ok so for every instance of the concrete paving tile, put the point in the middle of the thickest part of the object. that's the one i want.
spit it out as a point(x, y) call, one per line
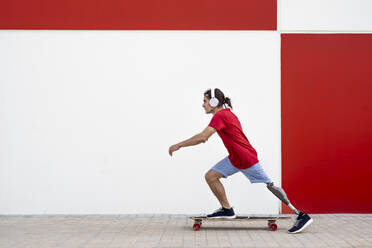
point(162, 230)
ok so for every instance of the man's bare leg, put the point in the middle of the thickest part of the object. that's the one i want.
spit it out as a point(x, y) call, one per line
point(213, 179)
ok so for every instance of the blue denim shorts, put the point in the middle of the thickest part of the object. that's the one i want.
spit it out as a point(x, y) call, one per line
point(255, 173)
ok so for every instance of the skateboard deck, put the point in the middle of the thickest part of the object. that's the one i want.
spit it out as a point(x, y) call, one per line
point(198, 220)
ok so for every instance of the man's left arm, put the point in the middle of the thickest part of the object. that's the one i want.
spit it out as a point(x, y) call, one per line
point(194, 140)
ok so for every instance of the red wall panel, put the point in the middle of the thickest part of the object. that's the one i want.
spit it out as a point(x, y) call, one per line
point(327, 122)
point(139, 14)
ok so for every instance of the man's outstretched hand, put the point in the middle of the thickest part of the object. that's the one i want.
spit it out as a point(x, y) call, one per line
point(173, 149)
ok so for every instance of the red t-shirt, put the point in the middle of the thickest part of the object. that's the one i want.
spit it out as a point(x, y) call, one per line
point(241, 154)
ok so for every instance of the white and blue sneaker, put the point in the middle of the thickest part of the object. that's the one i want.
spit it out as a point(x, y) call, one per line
point(303, 221)
point(226, 213)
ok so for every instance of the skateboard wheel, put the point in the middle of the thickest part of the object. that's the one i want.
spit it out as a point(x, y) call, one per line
point(273, 227)
point(196, 227)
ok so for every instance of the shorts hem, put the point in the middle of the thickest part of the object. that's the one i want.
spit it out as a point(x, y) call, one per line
point(220, 171)
point(260, 182)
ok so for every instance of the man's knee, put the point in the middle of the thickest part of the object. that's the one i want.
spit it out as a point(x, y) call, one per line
point(209, 177)
point(212, 176)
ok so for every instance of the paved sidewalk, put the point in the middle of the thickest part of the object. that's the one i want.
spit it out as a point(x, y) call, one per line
point(111, 231)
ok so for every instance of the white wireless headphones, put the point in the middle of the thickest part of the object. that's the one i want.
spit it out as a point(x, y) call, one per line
point(213, 101)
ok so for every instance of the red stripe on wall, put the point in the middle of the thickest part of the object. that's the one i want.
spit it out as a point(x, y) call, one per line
point(139, 14)
point(327, 122)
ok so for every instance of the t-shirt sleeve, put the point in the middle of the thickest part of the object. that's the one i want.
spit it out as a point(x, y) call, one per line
point(217, 122)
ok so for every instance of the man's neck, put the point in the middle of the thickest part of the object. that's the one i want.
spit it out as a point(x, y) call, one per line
point(216, 110)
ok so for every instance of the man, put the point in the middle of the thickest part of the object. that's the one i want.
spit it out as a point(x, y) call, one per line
point(242, 157)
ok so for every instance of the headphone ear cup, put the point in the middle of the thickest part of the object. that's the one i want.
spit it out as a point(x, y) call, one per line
point(213, 102)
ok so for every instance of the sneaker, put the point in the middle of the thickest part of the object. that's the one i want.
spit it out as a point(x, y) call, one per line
point(222, 213)
point(303, 221)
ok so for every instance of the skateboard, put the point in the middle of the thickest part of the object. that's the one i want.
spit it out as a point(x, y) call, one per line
point(270, 220)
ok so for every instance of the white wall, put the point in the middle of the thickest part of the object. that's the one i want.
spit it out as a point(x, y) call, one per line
point(87, 117)
point(325, 15)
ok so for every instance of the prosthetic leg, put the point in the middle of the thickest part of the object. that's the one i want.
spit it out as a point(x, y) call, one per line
point(279, 192)
point(303, 220)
